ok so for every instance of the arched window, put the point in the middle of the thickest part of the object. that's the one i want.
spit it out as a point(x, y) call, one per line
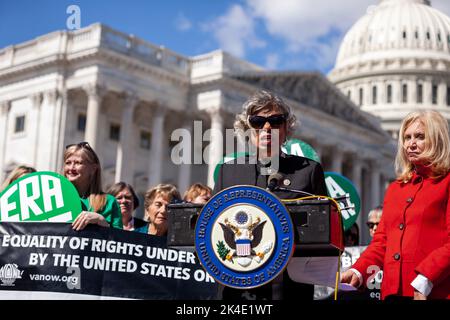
point(404, 93)
point(361, 96)
point(374, 95)
point(389, 93)
point(434, 94)
point(419, 93)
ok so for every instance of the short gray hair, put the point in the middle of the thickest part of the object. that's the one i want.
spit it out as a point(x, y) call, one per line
point(375, 211)
point(264, 100)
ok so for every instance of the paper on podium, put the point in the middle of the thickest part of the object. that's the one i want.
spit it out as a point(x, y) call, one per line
point(316, 270)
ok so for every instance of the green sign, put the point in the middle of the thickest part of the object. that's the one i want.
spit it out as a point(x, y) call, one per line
point(299, 148)
point(337, 186)
point(40, 196)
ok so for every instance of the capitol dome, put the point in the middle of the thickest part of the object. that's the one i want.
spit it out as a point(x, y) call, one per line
point(396, 59)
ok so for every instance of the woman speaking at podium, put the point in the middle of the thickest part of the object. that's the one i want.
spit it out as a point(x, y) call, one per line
point(267, 120)
point(412, 242)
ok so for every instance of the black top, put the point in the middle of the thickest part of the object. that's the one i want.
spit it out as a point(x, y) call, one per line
point(298, 173)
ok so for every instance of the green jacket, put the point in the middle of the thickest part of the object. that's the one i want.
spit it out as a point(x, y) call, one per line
point(111, 211)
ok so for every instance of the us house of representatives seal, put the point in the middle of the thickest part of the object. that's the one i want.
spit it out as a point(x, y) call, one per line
point(244, 237)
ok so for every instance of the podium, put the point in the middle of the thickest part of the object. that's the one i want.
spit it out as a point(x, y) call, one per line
point(182, 218)
point(317, 229)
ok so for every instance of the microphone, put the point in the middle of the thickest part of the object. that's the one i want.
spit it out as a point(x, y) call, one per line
point(274, 181)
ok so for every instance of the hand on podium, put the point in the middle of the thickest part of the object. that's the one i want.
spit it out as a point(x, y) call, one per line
point(351, 278)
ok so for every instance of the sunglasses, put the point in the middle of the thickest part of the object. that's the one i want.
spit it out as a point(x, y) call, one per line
point(275, 121)
point(371, 225)
point(83, 144)
point(86, 146)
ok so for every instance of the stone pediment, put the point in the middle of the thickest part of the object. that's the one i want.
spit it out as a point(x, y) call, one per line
point(313, 90)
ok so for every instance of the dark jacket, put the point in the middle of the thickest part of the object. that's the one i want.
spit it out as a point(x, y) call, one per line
point(298, 173)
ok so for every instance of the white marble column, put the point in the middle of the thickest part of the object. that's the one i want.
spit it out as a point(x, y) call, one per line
point(36, 101)
point(442, 95)
point(397, 92)
point(4, 112)
point(216, 143)
point(412, 92)
point(356, 173)
point(336, 160)
point(48, 161)
point(125, 154)
point(94, 93)
point(382, 187)
point(367, 98)
point(184, 169)
point(375, 184)
point(157, 147)
point(62, 107)
point(382, 92)
point(427, 93)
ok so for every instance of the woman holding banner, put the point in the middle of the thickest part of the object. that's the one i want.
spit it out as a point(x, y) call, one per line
point(82, 168)
point(412, 242)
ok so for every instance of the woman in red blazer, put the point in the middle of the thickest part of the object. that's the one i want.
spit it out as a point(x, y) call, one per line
point(412, 242)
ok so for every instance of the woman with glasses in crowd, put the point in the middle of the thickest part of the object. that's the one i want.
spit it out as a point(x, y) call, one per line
point(82, 168)
point(268, 121)
point(412, 241)
point(373, 219)
point(128, 202)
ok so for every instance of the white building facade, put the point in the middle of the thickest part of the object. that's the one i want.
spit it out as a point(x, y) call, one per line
point(126, 97)
point(396, 59)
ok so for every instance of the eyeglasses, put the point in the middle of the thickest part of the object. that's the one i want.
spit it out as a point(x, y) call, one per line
point(371, 225)
point(83, 144)
point(275, 121)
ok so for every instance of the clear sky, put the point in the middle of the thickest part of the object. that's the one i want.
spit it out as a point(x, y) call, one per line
point(276, 34)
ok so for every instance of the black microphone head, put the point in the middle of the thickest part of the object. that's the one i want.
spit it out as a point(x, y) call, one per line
point(274, 180)
point(275, 176)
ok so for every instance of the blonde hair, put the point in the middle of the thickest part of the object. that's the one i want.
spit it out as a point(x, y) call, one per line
point(197, 189)
point(168, 190)
point(265, 101)
point(15, 174)
point(436, 154)
point(97, 198)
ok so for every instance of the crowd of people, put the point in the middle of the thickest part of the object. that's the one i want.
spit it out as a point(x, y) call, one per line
point(115, 207)
point(411, 241)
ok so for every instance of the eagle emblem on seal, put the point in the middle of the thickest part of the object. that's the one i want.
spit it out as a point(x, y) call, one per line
point(242, 233)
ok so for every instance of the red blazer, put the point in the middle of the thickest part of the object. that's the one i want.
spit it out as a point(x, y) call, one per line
point(413, 237)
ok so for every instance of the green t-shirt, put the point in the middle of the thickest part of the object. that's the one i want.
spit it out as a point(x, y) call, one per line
point(111, 211)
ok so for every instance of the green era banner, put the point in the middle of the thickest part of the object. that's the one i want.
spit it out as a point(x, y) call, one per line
point(40, 196)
